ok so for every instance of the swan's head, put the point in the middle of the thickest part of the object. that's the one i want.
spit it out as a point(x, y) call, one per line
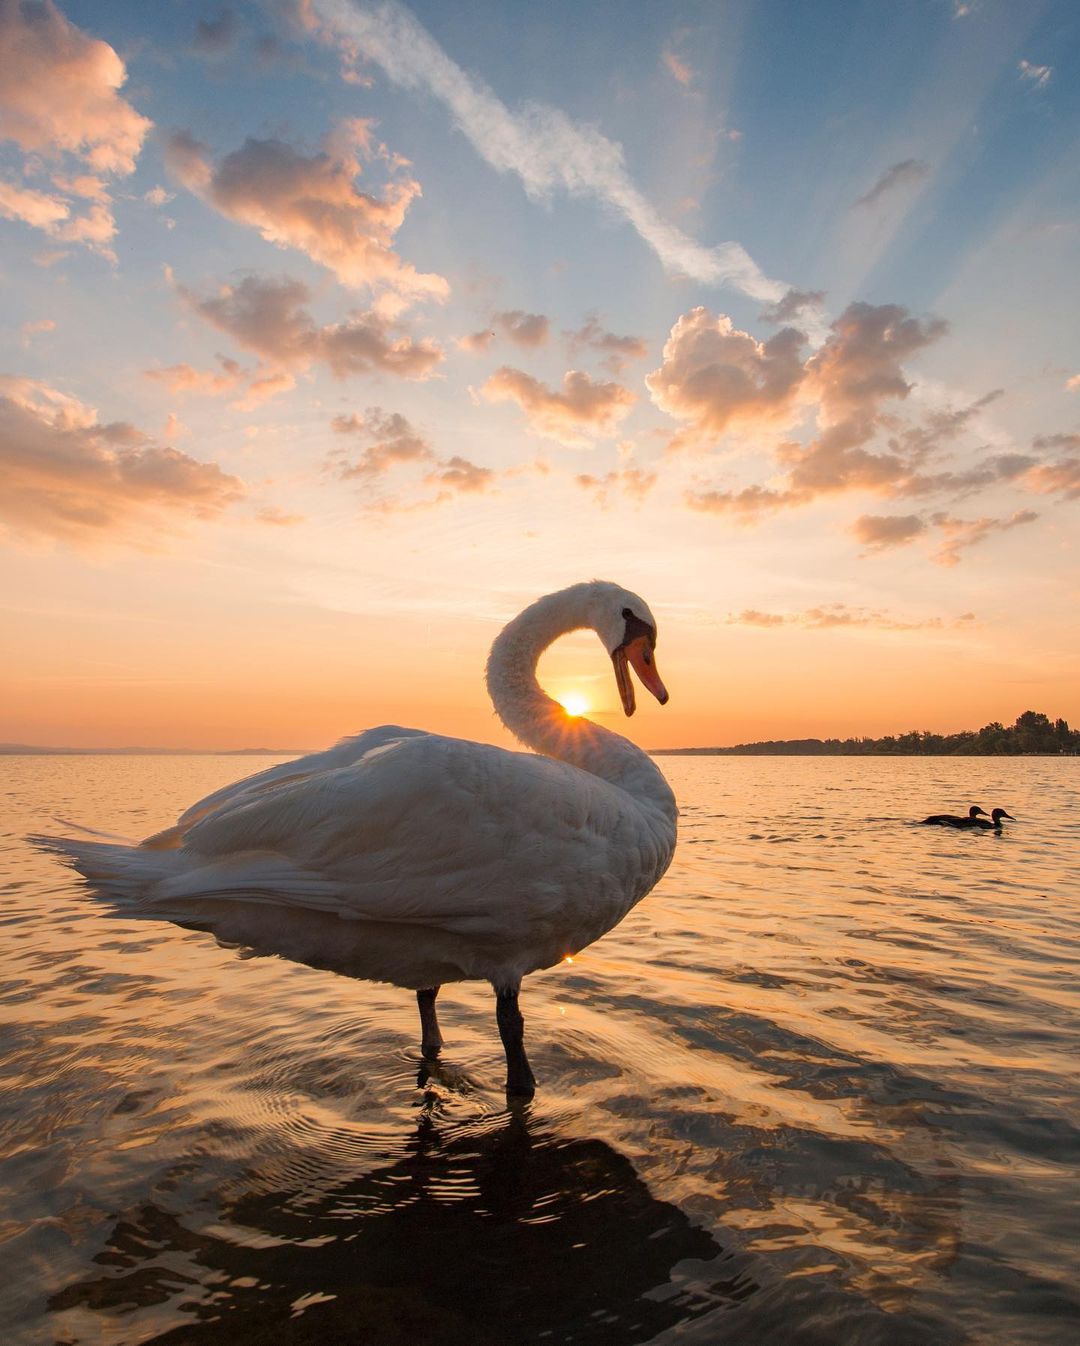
point(628, 629)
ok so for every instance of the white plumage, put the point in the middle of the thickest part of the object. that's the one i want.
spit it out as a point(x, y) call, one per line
point(416, 858)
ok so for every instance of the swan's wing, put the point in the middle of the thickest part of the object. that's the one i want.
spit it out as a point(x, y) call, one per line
point(343, 753)
point(431, 830)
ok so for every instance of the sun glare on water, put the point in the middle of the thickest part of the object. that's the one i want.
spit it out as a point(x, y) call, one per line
point(574, 703)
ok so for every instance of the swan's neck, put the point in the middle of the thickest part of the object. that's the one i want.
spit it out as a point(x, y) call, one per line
point(541, 723)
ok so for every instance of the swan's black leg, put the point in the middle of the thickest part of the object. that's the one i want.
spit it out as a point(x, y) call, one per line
point(430, 1038)
point(519, 1076)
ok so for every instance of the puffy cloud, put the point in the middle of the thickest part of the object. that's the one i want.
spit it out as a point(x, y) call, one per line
point(829, 616)
point(312, 203)
point(634, 482)
point(262, 388)
point(59, 97)
point(582, 411)
point(877, 532)
point(59, 91)
point(906, 173)
point(715, 377)
point(457, 476)
point(65, 476)
point(477, 341)
point(747, 505)
point(789, 306)
point(959, 534)
point(268, 317)
point(1038, 75)
point(524, 329)
point(393, 441)
point(1059, 477)
point(618, 351)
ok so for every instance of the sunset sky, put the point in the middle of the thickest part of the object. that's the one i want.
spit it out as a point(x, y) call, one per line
point(334, 333)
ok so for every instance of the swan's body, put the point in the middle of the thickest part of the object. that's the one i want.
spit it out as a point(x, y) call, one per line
point(953, 820)
point(416, 858)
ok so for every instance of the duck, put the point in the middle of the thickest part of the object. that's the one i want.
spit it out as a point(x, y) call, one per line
point(994, 824)
point(419, 859)
point(952, 820)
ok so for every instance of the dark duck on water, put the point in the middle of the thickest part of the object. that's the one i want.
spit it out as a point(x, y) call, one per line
point(995, 821)
point(952, 820)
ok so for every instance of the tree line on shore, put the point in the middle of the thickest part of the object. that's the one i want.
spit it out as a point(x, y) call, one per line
point(1033, 733)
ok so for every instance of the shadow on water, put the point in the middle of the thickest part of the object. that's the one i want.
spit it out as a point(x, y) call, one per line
point(489, 1234)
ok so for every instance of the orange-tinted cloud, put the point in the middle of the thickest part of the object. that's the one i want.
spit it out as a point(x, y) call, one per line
point(59, 91)
point(959, 534)
point(268, 317)
point(633, 482)
point(58, 97)
point(185, 378)
point(877, 532)
point(582, 411)
point(791, 305)
point(393, 440)
point(458, 476)
point(67, 477)
point(312, 203)
point(715, 377)
point(829, 616)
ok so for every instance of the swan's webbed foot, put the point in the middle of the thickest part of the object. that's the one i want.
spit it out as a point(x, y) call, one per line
point(520, 1081)
point(431, 1039)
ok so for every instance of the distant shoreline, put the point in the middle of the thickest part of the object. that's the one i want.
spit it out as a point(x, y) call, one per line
point(29, 750)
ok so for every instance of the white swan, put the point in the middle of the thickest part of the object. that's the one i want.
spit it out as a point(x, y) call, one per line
point(417, 859)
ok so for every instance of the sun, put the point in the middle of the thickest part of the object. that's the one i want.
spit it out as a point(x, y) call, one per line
point(574, 703)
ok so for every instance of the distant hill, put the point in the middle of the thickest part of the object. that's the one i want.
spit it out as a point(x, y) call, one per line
point(1033, 733)
point(30, 750)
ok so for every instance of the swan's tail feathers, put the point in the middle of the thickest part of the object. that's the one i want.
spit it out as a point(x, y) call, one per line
point(126, 872)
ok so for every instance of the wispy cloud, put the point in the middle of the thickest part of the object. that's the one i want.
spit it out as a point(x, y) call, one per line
point(839, 616)
point(1038, 75)
point(581, 411)
point(906, 173)
point(539, 143)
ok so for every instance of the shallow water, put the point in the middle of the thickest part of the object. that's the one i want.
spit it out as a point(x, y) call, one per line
point(820, 1087)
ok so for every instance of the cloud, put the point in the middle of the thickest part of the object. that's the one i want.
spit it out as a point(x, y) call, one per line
point(677, 67)
point(278, 518)
point(67, 477)
point(215, 36)
point(312, 203)
point(906, 173)
point(582, 411)
point(1061, 477)
point(633, 482)
point(1072, 385)
point(747, 505)
point(158, 196)
point(457, 476)
point(1038, 75)
point(524, 329)
point(959, 534)
point(618, 351)
point(789, 306)
point(878, 532)
point(392, 441)
point(185, 378)
point(29, 330)
point(268, 316)
point(715, 377)
point(831, 616)
point(539, 143)
point(59, 98)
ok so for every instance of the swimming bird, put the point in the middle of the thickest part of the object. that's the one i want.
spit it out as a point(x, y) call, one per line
point(952, 820)
point(418, 859)
point(995, 820)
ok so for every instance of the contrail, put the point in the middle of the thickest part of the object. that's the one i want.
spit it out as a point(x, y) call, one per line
point(537, 142)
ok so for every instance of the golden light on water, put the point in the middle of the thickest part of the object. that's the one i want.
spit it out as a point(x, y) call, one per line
point(574, 703)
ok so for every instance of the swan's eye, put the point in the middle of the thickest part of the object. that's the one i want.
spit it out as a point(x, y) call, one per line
point(626, 612)
point(647, 656)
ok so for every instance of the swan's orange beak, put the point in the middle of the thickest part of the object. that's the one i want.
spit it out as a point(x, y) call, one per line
point(639, 655)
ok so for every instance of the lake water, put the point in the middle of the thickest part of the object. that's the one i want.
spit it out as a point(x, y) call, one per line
point(820, 1087)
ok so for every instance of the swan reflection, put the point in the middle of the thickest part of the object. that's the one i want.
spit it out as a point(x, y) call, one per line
point(491, 1232)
